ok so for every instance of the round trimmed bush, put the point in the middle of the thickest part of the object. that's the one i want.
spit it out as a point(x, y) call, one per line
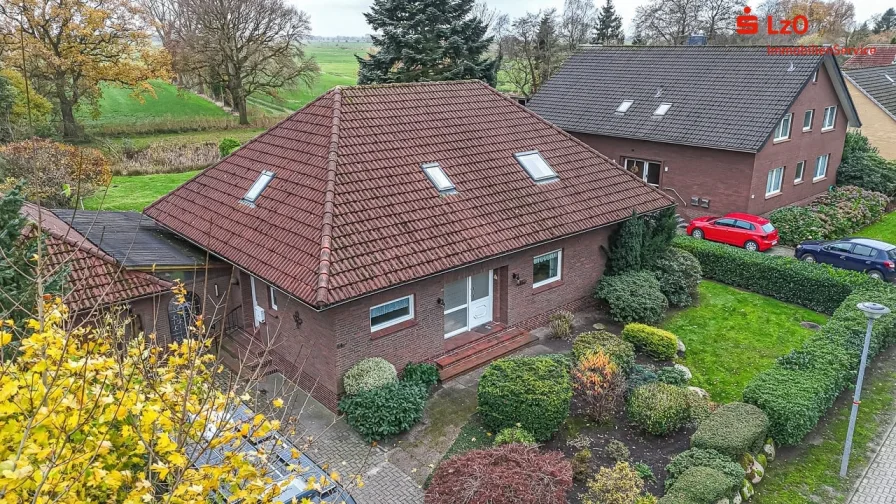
point(533, 393)
point(672, 375)
point(633, 297)
point(701, 485)
point(512, 435)
point(679, 274)
point(385, 411)
point(227, 146)
point(659, 408)
point(621, 352)
point(698, 457)
point(619, 484)
point(502, 475)
point(424, 374)
point(369, 374)
point(733, 429)
point(655, 342)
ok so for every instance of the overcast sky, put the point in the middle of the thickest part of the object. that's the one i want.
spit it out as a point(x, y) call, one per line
point(344, 17)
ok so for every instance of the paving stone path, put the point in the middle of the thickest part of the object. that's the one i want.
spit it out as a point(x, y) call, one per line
point(878, 484)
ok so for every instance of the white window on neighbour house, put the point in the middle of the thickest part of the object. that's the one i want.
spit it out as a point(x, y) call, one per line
point(807, 119)
point(547, 268)
point(821, 167)
point(272, 292)
point(800, 171)
point(775, 178)
point(782, 132)
point(830, 116)
point(391, 313)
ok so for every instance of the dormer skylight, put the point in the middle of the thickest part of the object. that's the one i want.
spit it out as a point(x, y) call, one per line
point(536, 166)
point(255, 191)
point(439, 178)
point(662, 109)
point(624, 106)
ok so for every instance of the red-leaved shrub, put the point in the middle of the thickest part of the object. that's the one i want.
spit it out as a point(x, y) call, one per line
point(509, 474)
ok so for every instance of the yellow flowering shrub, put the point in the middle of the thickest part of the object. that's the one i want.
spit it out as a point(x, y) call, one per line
point(86, 416)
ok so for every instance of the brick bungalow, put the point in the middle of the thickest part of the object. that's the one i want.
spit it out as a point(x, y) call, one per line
point(722, 129)
point(415, 222)
point(873, 89)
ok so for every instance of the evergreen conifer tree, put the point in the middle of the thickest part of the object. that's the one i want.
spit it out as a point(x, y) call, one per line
point(609, 26)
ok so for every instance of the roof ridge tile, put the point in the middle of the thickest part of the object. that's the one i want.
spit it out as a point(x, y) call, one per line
point(326, 234)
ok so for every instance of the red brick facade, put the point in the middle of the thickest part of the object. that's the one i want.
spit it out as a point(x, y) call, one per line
point(736, 181)
point(327, 343)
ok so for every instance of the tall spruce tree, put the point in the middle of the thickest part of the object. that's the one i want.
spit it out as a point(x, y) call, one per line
point(426, 40)
point(609, 26)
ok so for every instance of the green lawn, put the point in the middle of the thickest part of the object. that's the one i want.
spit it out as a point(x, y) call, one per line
point(135, 193)
point(118, 106)
point(884, 229)
point(294, 99)
point(732, 335)
point(813, 474)
point(337, 58)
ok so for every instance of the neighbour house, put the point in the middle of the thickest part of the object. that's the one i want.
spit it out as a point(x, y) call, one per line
point(138, 247)
point(884, 54)
point(415, 222)
point(722, 129)
point(873, 89)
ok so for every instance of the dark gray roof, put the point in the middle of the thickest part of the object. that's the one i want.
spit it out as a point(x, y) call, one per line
point(874, 84)
point(722, 97)
point(133, 239)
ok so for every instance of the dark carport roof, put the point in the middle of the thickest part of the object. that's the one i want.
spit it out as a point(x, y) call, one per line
point(878, 84)
point(133, 239)
point(721, 97)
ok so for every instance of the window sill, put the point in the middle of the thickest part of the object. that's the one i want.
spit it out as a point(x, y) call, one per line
point(392, 329)
point(773, 195)
point(819, 179)
point(798, 182)
point(547, 286)
point(807, 130)
point(780, 140)
point(828, 130)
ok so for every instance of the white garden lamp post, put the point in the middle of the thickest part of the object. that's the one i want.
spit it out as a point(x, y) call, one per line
point(872, 311)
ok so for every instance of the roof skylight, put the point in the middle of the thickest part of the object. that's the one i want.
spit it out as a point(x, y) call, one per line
point(260, 183)
point(624, 106)
point(889, 78)
point(662, 109)
point(439, 178)
point(536, 166)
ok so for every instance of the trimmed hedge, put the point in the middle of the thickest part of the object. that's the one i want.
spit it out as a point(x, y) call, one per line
point(700, 485)
point(368, 374)
point(659, 408)
point(818, 287)
point(533, 393)
point(698, 457)
point(621, 352)
point(733, 429)
point(797, 391)
point(423, 373)
point(385, 411)
point(657, 343)
point(633, 297)
point(839, 212)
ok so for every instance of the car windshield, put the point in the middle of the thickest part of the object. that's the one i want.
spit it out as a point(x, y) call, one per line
point(768, 228)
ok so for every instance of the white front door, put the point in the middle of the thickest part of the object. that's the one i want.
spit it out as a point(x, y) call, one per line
point(468, 303)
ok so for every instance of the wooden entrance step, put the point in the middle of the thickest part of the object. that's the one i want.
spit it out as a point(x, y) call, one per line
point(482, 351)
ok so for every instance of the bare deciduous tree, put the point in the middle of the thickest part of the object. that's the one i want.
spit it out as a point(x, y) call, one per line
point(576, 22)
point(668, 22)
point(247, 46)
point(532, 51)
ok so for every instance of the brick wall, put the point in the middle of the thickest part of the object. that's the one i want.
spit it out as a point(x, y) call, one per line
point(721, 176)
point(877, 125)
point(802, 146)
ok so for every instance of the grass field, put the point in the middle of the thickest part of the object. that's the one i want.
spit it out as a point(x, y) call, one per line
point(732, 335)
point(135, 193)
point(118, 106)
point(884, 229)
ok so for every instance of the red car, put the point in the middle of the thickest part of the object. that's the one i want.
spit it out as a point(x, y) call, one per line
point(739, 229)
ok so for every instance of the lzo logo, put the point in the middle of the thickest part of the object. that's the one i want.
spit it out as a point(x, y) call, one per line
point(749, 24)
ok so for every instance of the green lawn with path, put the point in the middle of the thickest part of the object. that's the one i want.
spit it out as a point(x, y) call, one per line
point(731, 335)
point(136, 192)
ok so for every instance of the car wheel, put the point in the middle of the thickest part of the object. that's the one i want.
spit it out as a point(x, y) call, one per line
point(809, 258)
point(877, 275)
point(697, 233)
point(751, 246)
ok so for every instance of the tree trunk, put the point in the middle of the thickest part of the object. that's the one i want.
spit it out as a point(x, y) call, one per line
point(69, 124)
point(242, 109)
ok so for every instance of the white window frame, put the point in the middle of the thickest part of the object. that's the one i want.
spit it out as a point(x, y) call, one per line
point(537, 158)
point(409, 316)
point(775, 175)
point(548, 280)
point(624, 106)
point(662, 109)
point(824, 121)
point(258, 187)
point(815, 175)
point(789, 119)
point(800, 172)
point(811, 113)
point(815, 76)
point(436, 174)
point(272, 297)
